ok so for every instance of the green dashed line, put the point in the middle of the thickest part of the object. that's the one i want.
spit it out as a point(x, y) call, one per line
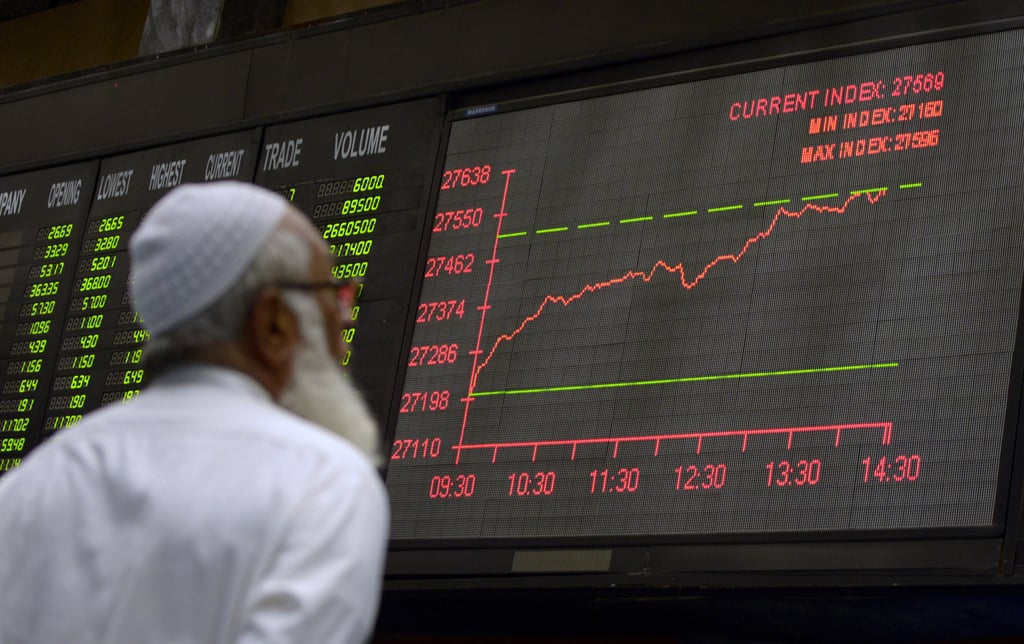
point(758, 204)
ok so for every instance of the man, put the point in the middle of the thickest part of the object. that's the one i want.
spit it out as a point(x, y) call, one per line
point(214, 507)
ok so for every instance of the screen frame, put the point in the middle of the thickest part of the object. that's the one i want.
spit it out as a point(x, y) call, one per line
point(933, 555)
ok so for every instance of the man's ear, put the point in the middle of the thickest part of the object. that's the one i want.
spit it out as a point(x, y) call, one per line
point(274, 333)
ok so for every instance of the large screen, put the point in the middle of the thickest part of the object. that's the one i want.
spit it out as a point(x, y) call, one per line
point(73, 341)
point(772, 302)
point(745, 305)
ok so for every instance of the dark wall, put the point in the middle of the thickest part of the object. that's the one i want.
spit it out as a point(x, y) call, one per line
point(417, 49)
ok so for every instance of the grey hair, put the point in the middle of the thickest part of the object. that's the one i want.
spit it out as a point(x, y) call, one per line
point(303, 304)
point(285, 257)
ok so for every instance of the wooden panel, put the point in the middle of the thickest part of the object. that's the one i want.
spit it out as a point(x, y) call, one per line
point(73, 37)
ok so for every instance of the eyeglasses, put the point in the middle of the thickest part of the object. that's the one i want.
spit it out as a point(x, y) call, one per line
point(345, 291)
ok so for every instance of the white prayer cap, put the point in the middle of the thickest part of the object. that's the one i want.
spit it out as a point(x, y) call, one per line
point(194, 244)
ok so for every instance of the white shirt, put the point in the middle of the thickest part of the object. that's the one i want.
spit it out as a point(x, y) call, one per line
point(199, 512)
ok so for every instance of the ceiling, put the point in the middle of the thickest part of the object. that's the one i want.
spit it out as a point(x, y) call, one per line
point(18, 8)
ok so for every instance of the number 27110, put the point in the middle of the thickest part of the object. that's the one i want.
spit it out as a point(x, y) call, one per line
point(405, 448)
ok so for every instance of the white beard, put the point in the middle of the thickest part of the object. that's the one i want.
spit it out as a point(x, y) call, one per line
point(319, 391)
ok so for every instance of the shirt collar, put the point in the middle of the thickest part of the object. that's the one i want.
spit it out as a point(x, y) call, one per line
point(208, 375)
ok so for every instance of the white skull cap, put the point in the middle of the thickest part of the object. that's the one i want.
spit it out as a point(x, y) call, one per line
point(194, 244)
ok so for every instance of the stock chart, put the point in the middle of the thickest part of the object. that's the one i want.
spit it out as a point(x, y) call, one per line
point(778, 301)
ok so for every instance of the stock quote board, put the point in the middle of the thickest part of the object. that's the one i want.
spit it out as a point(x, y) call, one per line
point(41, 229)
point(776, 302)
point(364, 179)
point(99, 356)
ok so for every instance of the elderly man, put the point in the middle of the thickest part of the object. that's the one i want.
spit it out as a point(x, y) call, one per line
point(220, 505)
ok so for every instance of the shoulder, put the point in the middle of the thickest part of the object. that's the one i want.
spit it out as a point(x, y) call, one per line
point(207, 416)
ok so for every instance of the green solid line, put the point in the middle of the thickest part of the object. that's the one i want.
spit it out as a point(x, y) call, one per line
point(680, 214)
point(771, 203)
point(595, 225)
point(634, 220)
point(858, 192)
point(553, 230)
point(504, 235)
point(834, 194)
point(904, 186)
point(670, 381)
point(723, 208)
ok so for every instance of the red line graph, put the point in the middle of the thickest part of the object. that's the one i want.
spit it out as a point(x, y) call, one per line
point(662, 265)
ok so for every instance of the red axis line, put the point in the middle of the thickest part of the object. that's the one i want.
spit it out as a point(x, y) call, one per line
point(483, 308)
point(678, 268)
point(886, 428)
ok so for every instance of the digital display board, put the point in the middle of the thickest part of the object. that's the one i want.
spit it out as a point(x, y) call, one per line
point(99, 360)
point(41, 215)
point(783, 301)
point(364, 179)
